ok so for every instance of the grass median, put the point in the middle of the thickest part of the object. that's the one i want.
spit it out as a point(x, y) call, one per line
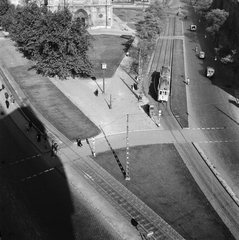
point(159, 177)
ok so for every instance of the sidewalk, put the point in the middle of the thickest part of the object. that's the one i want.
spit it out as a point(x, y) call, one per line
point(113, 121)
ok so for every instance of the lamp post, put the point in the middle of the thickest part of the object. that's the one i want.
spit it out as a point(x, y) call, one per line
point(103, 67)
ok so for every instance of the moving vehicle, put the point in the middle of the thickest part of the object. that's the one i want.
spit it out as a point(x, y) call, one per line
point(201, 55)
point(164, 84)
point(210, 72)
point(193, 27)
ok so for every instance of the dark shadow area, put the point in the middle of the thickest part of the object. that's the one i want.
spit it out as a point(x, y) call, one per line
point(233, 102)
point(153, 91)
point(146, 109)
point(36, 201)
point(115, 155)
point(128, 43)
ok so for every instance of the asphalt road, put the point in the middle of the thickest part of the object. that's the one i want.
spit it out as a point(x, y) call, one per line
point(212, 110)
point(36, 201)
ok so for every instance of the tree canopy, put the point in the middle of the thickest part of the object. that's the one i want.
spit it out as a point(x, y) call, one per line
point(214, 20)
point(55, 43)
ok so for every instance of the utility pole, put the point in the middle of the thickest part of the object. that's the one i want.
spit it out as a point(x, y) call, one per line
point(127, 177)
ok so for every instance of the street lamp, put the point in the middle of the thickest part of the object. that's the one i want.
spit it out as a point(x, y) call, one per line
point(103, 67)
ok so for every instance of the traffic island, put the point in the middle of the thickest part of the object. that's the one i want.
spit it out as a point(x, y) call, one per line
point(179, 94)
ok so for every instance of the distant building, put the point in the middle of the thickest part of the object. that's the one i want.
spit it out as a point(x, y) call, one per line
point(95, 13)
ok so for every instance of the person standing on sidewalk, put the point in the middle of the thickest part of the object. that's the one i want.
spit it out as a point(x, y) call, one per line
point(7, 103)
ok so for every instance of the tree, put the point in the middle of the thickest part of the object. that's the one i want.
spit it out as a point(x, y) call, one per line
point(6, 13)
point(214, 20)
point(232, 61)
point(55, 43)
point(4, 7)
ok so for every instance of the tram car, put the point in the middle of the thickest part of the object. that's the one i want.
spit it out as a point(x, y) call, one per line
point(164, 84)
point(210, 71)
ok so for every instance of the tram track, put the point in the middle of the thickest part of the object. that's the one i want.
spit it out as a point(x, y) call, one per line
point(129, 205)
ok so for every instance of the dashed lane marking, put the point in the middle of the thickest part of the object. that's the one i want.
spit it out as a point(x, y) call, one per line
point(25, 159)
point(211, 128)
point(37, 174)
point(220, 141)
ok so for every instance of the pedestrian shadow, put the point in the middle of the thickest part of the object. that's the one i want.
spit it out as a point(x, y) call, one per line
point(94, 79)
point(115, 155)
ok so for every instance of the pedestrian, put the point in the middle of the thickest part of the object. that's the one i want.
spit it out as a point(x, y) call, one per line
point(30, 125)
point(136, 78)
point(38, 136)
point(188, 80)
point(6, 95)
point(55, 148)
point(96, 92)
point(127, 54)
point(196, 49)
point(79, 143)
point(7, 103)
point(2, 88)
point(45, 141)
point(27, 128)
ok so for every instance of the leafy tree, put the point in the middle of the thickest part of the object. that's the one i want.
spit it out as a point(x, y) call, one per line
point(4, 7)
point(214, 20)
point(149, 28)
point(232, 61)
point(55, 43)
point(6, 13)
point(63, 49)
point(157, 10)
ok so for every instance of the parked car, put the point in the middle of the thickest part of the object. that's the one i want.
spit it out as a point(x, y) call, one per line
point(193, 27)
point(201, 55)
point(210, 71)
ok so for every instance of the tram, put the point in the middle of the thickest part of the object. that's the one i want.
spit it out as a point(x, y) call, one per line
point(164, 84)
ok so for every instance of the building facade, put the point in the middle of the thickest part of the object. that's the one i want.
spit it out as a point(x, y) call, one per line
point(95, 13)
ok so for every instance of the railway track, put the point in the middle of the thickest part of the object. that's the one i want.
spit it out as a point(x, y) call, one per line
point(129, 205)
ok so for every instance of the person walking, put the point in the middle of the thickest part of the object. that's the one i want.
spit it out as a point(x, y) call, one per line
point(7, 103)
point(30, 125)
point(196, 49)
point(55, 148)
point(38, 136)
point(188, 80)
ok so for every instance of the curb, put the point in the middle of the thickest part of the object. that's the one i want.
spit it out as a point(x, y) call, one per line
point(216, 173)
